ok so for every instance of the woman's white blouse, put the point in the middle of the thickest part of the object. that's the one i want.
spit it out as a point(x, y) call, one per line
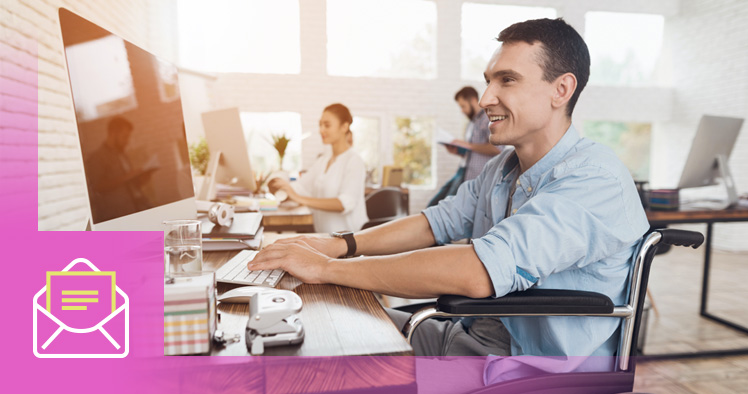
point(344, 180)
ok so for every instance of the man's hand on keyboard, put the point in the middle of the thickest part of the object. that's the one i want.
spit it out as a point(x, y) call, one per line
point(329, 246)
point(297, 258)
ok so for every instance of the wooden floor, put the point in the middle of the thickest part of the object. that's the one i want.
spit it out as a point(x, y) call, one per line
point(676, 288)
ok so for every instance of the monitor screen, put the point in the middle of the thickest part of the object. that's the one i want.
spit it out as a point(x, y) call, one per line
point(130, 125)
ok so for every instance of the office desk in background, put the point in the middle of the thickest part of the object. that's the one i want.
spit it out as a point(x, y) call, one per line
point(289, 217)
point(709, 217)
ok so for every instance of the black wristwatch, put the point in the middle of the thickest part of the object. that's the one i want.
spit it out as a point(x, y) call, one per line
point(349, 240)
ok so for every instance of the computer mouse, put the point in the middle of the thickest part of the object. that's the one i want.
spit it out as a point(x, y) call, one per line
point(240, 295)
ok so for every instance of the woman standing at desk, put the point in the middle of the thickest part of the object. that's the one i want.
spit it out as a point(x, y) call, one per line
point(333, 187)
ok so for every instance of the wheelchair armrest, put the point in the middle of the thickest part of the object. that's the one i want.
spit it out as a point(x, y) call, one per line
point(535, 301)
point(672, 236)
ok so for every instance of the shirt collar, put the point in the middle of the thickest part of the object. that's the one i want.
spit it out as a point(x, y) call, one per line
point(529, 179)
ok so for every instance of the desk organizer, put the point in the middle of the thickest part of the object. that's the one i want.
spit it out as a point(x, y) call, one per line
point(189, 313)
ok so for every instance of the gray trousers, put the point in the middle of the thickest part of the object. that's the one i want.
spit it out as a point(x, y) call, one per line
point(446, 338)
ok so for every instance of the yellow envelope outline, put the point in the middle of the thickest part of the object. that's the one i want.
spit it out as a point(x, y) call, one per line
point(124, 307)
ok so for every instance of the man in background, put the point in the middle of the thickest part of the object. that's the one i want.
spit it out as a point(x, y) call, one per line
point(475, 149)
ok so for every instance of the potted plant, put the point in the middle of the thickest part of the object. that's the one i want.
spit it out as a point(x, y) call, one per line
point(280, 143)
point(199, 158)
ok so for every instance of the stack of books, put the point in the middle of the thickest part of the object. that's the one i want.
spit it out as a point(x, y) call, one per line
point(189, 313)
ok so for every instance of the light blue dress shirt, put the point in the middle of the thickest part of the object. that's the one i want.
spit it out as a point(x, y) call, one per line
point(575, 222)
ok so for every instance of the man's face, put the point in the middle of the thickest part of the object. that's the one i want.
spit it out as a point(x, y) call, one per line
point(467, 107)
point(517, 100)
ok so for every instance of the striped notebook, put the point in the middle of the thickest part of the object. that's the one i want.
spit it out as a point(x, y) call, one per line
point(189, 314)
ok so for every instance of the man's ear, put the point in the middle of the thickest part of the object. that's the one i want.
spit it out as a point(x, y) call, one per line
point(564, 87)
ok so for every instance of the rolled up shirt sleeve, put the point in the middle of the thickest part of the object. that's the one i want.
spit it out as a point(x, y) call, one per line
point(578, 218)
point(453, 217)
point(354, 185)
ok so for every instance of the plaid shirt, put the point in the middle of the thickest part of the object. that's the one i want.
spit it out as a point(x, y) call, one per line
point(476, 133)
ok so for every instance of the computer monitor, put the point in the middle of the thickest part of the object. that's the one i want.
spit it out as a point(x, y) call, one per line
point(229, 161)
point(130, 128)
point(709, 154)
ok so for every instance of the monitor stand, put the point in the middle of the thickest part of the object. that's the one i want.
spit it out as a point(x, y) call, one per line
point(208, 188)
point(728, 181)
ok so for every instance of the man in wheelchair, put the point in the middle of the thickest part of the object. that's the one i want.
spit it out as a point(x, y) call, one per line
point(556, 212)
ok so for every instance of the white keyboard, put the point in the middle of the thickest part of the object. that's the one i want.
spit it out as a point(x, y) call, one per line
point(235, 271)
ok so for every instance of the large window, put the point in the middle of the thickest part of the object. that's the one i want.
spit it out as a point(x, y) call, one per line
point(98, 94)
point(413, 148)
point(366, 143)
point(259, 130)
point(624, 48)
point(251, 36)
point(630, 141)
point(381, 38)
point(481, 24)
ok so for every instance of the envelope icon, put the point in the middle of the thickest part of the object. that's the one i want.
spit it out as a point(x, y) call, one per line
point(83, 314)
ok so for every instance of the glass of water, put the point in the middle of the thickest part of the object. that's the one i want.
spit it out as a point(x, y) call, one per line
point(183, 246)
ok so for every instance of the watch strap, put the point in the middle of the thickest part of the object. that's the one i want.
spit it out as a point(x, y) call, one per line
point(351, 242)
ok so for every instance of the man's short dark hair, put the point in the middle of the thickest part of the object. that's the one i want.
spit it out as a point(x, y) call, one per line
point(466, 93)
point(563, 50)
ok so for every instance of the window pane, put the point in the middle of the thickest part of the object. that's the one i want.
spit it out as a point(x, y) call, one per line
point(481, 24)
point(413, 150)
point(630, 142)
point(381, 38)
point(624, 48)
point(252, 36)
point(259, 129)
point(366, 143)
point(98, 94)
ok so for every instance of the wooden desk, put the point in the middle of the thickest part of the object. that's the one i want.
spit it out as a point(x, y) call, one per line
point(338, 321)
point(708, 217)
point(296, 218)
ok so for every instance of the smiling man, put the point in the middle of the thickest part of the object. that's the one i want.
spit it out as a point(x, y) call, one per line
point(557, 212)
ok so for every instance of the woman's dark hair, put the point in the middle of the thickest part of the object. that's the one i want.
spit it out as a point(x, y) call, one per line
point(341, 112)
point(563, 50)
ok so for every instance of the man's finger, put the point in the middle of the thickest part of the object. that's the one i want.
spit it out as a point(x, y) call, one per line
point(264, 265)
point(267, 254)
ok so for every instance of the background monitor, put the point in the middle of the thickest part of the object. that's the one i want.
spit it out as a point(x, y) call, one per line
point(224, 134)
point(710, 151)
point(130, 127)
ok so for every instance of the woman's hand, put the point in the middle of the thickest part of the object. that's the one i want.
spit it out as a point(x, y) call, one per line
point(276, 184)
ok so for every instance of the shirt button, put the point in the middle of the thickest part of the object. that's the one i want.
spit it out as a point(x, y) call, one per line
point(518, 182)
point(514, 211)
point(529, 189)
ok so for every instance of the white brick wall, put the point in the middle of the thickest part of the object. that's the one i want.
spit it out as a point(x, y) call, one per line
point(707, 44)
point(32, 26)
point(312, 90)
point(704, 43)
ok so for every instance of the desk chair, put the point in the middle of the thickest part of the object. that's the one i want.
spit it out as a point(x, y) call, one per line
point(384, 205)
point(548, 302)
